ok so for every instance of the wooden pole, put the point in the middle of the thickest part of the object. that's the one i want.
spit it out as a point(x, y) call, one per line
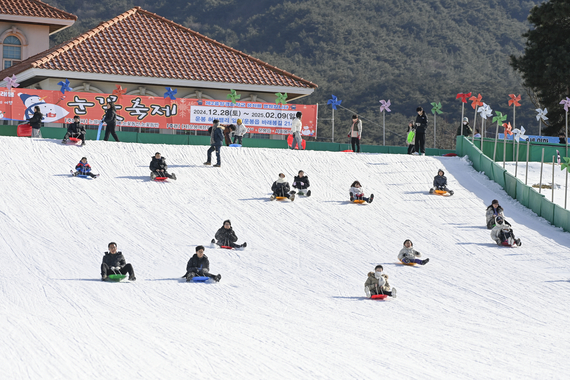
point(517, 160)
point(474, 126)
point(504, 148)
point(527, 158)
point(435, 131)
point(462, 113)
point(332, 125)
point(553, 165)
point(496, 140)
point(541, 165)
point(384, 128)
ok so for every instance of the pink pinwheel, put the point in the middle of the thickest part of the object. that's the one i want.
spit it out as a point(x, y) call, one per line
point(514, 100)
point(385, 106)
point(463, 97)
point(566, 103)
point(11, 82)
point(120, 91)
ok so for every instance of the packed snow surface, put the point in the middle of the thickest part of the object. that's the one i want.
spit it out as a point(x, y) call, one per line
point(289, 306)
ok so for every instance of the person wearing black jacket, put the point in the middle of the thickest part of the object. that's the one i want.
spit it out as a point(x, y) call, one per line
point(227, 237)
point(111, 119)
point(216, 132)
point(36, 122)
point(75, 129)
point(158, 167)
point(421, 126)
point(114, 263)
point(199, 265)
point(301, 182)
point(440, 182)
point(281, 188)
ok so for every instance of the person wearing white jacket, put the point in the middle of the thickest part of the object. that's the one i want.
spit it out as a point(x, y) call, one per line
point(240, 131)
point(355, 133)
point(296, 126)
point(357, 193)
point(503, 234)
point(409, 255)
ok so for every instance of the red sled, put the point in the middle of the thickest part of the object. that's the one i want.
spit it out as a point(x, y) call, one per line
point(225, 247)
point(379, 297)
point(160, 179)
point(24, 130)
point(450, 155)
point(290, 142)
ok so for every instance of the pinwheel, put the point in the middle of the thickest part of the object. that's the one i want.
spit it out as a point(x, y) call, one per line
point(565, 164)
point(437, 109)
point(64, 86)
point(233, 96)
point(170, 93)
point(519, 134)
point(119, 91)
point(333, 102)
point(566, 103)
point(484, 111)
point(475, 102)
point(499, 118)
point(384, 107)
point(514, 101)
point(463, 98)
point(540, 117)
point(508, 131)
point(281, 98)
point(11, 82)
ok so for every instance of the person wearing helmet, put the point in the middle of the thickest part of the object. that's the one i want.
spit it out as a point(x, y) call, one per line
point(467, 131)
point(240, 131)
point(440, 183)
point(377, 283)
point(409, 255)
point(493, 211)
point(503, 234)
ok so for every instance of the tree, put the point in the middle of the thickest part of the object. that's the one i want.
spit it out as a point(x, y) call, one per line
point(545, 64)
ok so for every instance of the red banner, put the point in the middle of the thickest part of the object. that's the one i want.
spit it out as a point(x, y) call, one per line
point(155, 112)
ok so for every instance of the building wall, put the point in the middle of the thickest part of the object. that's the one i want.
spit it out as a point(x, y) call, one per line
point(34, 38)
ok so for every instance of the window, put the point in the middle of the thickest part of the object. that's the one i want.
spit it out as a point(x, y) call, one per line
point(11, 51)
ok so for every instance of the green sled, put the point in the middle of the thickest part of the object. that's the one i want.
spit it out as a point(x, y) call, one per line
point(116, 277)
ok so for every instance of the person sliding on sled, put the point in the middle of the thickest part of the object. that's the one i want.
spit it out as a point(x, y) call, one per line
point(114, 263)
point(226, 236)
point(301, 182)
point(377, 283)
point(158, 167)
point(281, 188)
point(199, 265)
point(440, 183)
point(356, 193)
point(493, 211)
point(83, 168)
point(75, 129)
point(503, 234)
point(409, 255)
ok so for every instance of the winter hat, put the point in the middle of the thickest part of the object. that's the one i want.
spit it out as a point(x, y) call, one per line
point(228, 221)
point(298, 114)
point(408, 240)
point(465, 119)
point(440, 171)
point(239, 121)
point(379, 266)
point(200, 247)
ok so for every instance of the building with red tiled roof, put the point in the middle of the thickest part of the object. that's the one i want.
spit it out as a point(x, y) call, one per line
point(25, 26)
point(144, 52)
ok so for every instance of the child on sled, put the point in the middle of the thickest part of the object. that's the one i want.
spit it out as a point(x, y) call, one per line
point(356, 193)
point(377, 283)
point(409, 255)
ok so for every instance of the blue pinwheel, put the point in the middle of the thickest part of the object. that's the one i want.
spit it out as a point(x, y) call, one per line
point(170, 93)
point(334, 102)
point(64, 86)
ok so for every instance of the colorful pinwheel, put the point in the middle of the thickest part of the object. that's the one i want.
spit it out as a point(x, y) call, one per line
point(64, 86)
point(514, 100)
point(233, 96)
point(281, 98)
point(508, 129)
point(385, 106)
point(463, 97)
point(170, 93)
point(541, 116)
point(485, 111)
point(566, 103)
point(519, 133)
point(334, 102)
point(476, 101)
point(435, 110)
point(11, 82)
point(119, 91)
point(565, 164)
point(499, 118)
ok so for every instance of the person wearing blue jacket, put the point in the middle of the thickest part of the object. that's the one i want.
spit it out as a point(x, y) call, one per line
point(216, 140)
point(83, 168)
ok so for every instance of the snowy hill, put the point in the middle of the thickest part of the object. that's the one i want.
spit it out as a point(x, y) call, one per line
point(292, 304)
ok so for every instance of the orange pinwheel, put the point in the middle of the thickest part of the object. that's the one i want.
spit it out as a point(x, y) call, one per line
point(508, 128)
point(514, 100)
point(120, 91)
point(476, 101)
point(463, 97)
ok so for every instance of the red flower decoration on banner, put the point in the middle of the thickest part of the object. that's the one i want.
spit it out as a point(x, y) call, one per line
point(463, 97)
point(508, 128)
point(476, 101)
point(120, 91)
point(514, 100)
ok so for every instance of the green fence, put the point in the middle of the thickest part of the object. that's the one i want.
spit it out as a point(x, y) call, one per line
point(526, 195)
point(158, 138)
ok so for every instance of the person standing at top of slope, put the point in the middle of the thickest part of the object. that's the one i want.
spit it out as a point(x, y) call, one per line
point(75, 129)
point(216, 140)
point(281, 188)
point(36, 122)
point(493, 211)
point(114, 263)
point(228, 130)
point(440, 183)
point(355, 133)
point(357, 193)
point(227, 237)
point(421, 126)
point(377, 283)
point(199, 265)
point(296, 126)
point(409, 255)
point(301, 182)
point(240, 132)
point(110, 119)
point(467, 131)
point(411, 137)
point(158, 167)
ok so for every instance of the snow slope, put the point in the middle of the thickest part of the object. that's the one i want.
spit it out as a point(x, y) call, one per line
point(291, 305)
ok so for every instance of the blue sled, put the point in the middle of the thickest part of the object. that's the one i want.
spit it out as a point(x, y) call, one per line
point(200, 279)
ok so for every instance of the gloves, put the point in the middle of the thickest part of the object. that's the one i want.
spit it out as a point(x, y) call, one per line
point(301, 183)
point(294, 183)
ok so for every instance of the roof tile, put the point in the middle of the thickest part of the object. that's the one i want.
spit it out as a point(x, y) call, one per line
point(33, 8)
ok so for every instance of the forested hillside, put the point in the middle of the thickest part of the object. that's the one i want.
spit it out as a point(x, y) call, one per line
point(411, 52)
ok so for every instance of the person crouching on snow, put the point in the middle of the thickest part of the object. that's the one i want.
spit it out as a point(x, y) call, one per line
point(281, 188)
point(158, 167)
point(409, 255)
point(503, 234)
point(199, 265)
point(377, 283)
point(493, 211)
point(440, 182)
point(301, 182)
point(227, 237)
point(83, 168)
point(356, 193)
